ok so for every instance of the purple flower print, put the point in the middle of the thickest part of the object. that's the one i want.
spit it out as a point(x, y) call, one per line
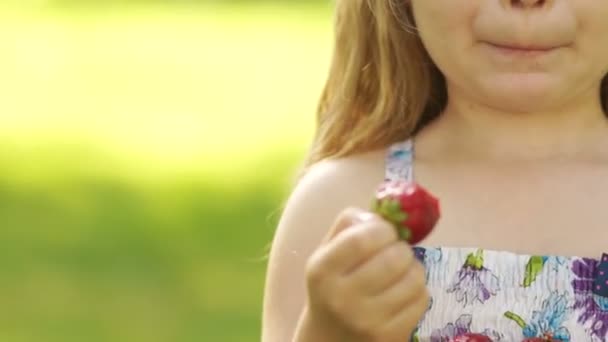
point(474, 283)
point(592, 309)
point(429, 257)
point(420, 253)
point(460, 327)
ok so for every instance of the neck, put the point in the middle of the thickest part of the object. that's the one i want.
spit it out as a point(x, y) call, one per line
point(474, 131)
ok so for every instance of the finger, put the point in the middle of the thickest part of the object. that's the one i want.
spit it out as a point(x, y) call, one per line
point(406, 320)
point(347, 218)
point(355, 245)
point(405, 292)
point(384, 269)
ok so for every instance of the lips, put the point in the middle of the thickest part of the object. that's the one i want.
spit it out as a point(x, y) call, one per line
point(525, 47)
point(517, 51)
point(519, 32)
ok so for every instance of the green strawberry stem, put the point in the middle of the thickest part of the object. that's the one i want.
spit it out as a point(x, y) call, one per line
point(391, 211)
point(516, 318)
point(405, 233)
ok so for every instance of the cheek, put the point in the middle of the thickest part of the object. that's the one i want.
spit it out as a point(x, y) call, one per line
point(593, 29)
point(446, 33)
point(602, 43)
point(439, 16)
point(444, 26)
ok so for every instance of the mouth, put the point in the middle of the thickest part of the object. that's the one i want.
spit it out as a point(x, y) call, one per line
point(523, 50)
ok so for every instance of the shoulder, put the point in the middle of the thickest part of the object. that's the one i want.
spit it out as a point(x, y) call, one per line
point(322, 193)
point(332, 185)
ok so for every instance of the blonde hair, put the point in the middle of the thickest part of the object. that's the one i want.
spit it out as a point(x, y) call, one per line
point(382, 85)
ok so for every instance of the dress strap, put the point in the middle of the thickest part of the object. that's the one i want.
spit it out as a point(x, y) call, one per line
point(400, 161)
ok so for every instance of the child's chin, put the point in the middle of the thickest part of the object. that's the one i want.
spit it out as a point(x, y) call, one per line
point(523, 95)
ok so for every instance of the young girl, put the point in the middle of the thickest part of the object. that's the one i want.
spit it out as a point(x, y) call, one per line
point(504, 103)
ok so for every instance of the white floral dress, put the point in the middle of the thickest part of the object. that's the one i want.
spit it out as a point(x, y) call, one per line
point(507, 296)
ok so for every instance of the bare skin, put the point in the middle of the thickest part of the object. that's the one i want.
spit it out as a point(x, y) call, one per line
point(544, 206)
point(519, 161)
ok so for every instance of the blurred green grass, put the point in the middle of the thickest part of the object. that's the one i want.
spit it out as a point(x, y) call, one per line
point(145, 152)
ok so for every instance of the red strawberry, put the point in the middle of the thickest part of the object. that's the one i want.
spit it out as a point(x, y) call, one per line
point(471, 338)
point(412, 210)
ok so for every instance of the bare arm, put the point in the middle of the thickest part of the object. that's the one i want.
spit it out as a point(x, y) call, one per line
point(311, 210)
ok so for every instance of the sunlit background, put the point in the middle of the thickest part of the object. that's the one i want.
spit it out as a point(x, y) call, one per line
point(146, 148)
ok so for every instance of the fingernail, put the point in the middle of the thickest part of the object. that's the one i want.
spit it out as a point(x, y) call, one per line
point(365, 217)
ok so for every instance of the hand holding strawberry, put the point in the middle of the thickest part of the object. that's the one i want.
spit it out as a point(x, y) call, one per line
point(364, 284)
